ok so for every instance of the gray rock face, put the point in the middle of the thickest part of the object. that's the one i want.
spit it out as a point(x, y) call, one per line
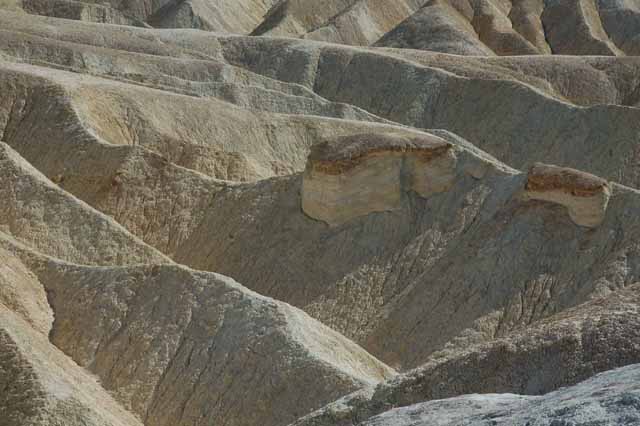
point(82, 11)
point(40, 384)
point(467, 27)
point(520, 27)
point(437, 27)
point(354, 22)
point(400, 264)
point(609, 398)
point(523, 362)
point(232, 16)
point(76, 232)
point(424, 200)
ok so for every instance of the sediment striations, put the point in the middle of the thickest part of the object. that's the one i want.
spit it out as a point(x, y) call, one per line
point(609, 398)
point(165, 341)
point(585, 196)
point(374, 182)
point(356, 175)
point(522, 362)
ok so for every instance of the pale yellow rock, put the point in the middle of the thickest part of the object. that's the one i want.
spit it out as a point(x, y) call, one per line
point(585, 196)
point(356, 175)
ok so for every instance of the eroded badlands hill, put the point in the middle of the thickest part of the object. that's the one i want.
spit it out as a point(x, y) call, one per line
point(396, 205)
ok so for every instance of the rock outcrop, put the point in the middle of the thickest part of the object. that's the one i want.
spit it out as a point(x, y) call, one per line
point(514, 97)
point(560, 351)
point(376, 180)
point(355, 175)
point(585, 196)
point(369, 275)
point(609, 398)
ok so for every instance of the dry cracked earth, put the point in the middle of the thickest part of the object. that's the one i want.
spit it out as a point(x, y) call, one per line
point(319, 212)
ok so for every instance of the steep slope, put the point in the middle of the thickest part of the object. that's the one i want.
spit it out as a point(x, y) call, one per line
point(176, 346)
point(477, 27)
point(482, 25)
point(231, 16)
point(469, 219)
point(505, 116)
point(90, 11)
point(42, 386)
point(520, 27)
point(620, 20)
point(390, 273)
point(524, 109)
point(437, 27)
point(117, 112)
point(37, 212)
point(470, 27)
point(597, 336)
point(354, 22)
point(241, 144)
point(226, 15)
point(385, 279)
point(178, 61)
point(609, 398)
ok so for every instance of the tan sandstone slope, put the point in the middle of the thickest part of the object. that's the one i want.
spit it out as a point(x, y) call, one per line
point(519, 27)
point(336, 212)
point(523, 109)
point(469, 27)
point(40, 384)
point(167, 342)
point(178, 341)
point(37, 212)
point(385, 276)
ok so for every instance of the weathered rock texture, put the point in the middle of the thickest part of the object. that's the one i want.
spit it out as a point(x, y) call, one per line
point(40, 384)
point(37, 212)
point(367, 276)
point(357, 22)
point(560, 351)
point(167, 341)
point(468, 27)
point(609, 398)
point(513, 98)
point(83, 11)
point(388, 197)
point(356, 175)
point(520, 27)
point(585, 196)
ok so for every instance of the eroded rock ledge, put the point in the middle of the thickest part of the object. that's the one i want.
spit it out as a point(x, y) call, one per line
point(352, 176)
point(584, 195)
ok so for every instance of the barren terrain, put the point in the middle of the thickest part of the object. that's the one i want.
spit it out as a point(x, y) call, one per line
point(319, 212)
